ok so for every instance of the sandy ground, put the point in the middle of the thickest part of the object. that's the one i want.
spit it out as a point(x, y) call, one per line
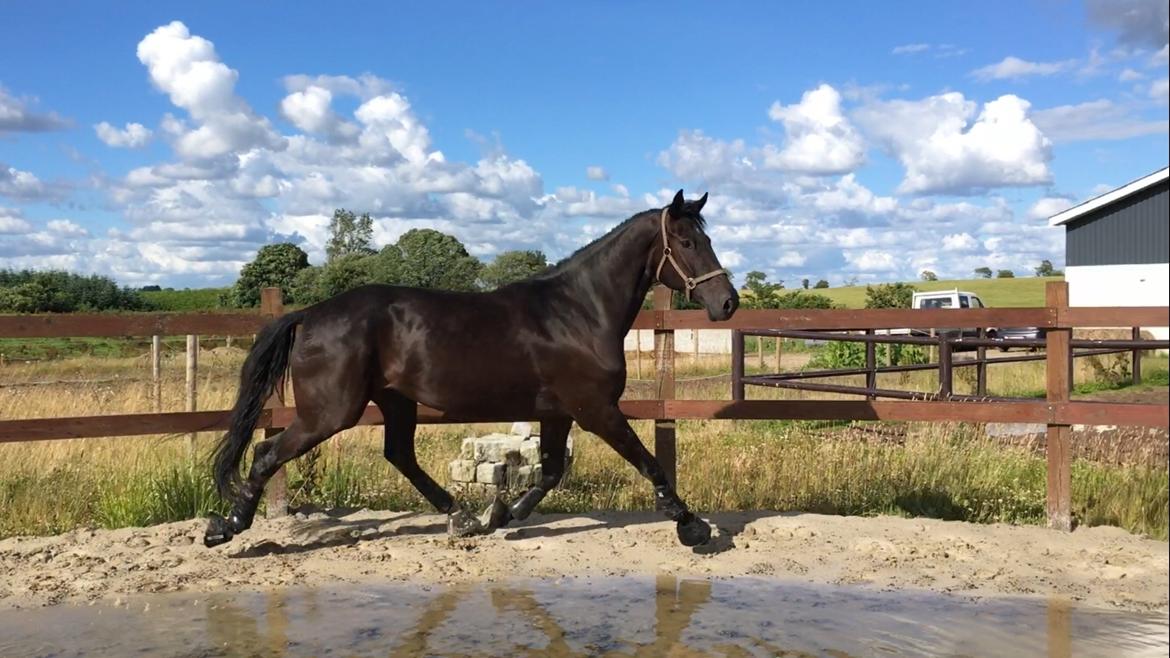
point(1104, 567)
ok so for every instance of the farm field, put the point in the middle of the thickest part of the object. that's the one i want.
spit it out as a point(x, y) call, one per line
point(1021, 292)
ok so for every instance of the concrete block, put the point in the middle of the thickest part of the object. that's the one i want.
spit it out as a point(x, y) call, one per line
point(463, 470)
point(522, 429)
point(494, 447)
point(490, 474)
point(530, 451)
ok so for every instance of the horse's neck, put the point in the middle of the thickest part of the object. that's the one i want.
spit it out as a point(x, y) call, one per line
point(614, 282)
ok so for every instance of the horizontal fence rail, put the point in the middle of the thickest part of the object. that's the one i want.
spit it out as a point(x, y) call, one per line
point(1057, 412)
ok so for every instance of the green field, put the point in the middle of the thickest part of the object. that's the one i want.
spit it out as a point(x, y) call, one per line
point(1022, 292)
point(198, 299)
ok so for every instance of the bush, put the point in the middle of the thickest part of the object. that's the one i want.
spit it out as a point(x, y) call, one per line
point(55, 291)
point(889, 295)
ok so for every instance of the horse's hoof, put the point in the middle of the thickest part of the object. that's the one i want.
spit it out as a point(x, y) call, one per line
point(461, 523)
point(218, 532)
point(694, 532)
point(496, 516)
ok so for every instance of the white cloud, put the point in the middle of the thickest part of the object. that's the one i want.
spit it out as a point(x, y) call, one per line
point(12, 223)
point(187, 69)
point(790, 259)
point(872, 260)
point(730, 258)
point(25, 186)
point(1014, 68)
point(1099, 119)
point(16, 115)
point(134, 135)
point(66, 227)
point(819, 140)
point(910, 48)
point(944, 151)
point(1048, 206)
point(959, 242)
point(596, 173)
point(1130, 75)
point(1160, 90)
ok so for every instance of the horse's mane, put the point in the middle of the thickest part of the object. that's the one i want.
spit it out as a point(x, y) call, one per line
point(610, 237)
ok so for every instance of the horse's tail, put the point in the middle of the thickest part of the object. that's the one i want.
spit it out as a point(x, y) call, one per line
point(265, 365)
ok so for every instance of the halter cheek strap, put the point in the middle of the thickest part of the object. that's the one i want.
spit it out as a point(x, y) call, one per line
point(667, 255)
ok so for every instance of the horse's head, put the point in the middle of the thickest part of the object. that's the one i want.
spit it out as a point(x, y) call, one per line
point(684, 261)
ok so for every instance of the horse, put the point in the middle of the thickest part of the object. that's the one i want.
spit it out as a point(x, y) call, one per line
point(549, 348)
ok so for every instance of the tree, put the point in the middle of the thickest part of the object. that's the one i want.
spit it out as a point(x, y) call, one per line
point(431, 259)
point(927, 275)
point(801, 299)
point(821, 284)
point(56, 291)
point(760, 293)
point(512, 266)
point(275, 265)
point(349, 234)
point(804, 283)
point(984, 272)
point(1005, 274)
point(305, 288)
point(889, 295)
point(1046, 269)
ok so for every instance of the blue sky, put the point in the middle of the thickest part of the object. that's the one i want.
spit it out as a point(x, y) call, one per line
point(868, 141)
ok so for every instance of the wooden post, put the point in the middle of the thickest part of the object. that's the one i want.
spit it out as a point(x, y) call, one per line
point(276, 493)
point(981, 367)
point(156, 372)
point(870, 365)
point(1136, 366)
point(192, 385)
point(760, 352)
point(228, 340)
point(946, 380)
point(665, 449)
point(695, 346)
point(737, 356)
point(637, 353)
point(779, 342)
point(1058, 360)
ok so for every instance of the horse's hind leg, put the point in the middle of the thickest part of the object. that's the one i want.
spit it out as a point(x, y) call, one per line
point(316, 421)
point(401, 418)
point(554, 435)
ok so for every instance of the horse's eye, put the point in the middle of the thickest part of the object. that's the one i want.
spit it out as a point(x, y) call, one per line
point(687, 244)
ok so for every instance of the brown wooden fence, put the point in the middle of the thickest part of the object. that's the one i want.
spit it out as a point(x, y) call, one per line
point(1056, 411)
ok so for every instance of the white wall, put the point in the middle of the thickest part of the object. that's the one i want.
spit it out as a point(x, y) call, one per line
point(711, 341)
point(1120, 285)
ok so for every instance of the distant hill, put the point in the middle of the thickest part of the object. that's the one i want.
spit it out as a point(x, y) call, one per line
point(996, 293)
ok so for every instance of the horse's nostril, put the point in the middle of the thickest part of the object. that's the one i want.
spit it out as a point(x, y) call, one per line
point(729, 306)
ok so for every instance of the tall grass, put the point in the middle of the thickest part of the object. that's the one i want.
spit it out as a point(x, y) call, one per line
point(949, 471)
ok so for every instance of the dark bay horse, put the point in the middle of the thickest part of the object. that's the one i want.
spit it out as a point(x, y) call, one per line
point(550, 348)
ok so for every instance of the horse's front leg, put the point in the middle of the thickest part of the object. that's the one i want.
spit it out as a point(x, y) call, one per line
point(554, 435)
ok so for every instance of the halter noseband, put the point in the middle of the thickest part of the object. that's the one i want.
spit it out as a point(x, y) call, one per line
point(667, 255)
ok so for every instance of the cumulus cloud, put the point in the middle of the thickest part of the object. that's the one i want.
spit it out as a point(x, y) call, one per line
point(819, 140)
point(596, 173)
point(1014, 68)
point(187, 68)
point(133, 136)
point(946, 148)
point(1048, 206)
point(66, 227)
point(25, 186)
point(17, 115)
point(12, 222)
point(959, 242)
point(1160, 90)
point(1092, 120)
point(872, 260)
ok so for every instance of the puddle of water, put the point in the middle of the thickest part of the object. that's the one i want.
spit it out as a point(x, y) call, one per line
point(580, 617)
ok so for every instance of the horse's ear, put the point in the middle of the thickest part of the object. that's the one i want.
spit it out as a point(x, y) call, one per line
point(676, 206)
point(701, 202)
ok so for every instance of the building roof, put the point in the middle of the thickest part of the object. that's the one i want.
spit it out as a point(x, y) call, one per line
point(1122, 192)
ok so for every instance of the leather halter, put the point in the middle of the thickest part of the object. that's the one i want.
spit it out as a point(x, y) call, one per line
point(690, 282)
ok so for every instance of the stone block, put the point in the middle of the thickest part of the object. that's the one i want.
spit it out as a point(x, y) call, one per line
point(490, 474)
point(494, 447)
point(463, 470)
point(522, 429)
point(467, 449)
point(530, 451)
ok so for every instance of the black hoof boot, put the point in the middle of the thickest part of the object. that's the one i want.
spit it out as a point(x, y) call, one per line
point(462, 523)
point(693, 531)
point(218, 531)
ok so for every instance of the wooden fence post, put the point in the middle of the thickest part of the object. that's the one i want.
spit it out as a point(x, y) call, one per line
point(695, 346)
point(737, 386)
point(276, 493)
point(192, 385)
point(779, 342)
point(156, 372)
point(981, 367)
point(1136, 366)
point(637, 353)
point(760, 352)
point(1058, 359)
point(946, 377)
point(870, 365)
point(665, 449)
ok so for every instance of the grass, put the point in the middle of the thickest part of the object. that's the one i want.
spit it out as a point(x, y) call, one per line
point(1020, 292)
point(198, 299)
point(949, 471)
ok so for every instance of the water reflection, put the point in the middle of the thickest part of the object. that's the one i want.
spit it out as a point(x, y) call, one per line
point(647, 618)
